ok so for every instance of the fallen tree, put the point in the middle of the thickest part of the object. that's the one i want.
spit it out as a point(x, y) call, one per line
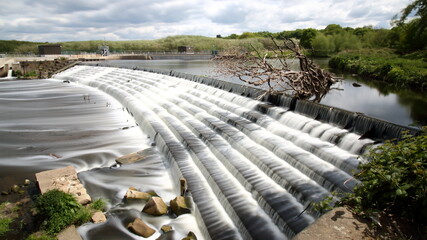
point(254, 68)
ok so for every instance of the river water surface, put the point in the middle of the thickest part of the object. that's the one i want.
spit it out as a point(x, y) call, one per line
point(404, 107)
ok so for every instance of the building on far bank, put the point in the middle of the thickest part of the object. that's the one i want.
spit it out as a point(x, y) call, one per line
point(185, 49)
point(52, 49)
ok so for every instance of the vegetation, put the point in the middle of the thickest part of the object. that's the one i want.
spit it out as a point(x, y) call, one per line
point(40, 236)
point(99, 205)
point(4, 225)
point(394, 180)
point(6, 217)
point(59, 210)
point(402, 71)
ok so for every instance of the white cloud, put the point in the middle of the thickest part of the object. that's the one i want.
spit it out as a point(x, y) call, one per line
point(47, 20)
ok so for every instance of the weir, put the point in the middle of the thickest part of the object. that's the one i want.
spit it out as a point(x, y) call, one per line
point(253, 168)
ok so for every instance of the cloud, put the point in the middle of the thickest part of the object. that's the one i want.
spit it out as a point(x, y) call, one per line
point(47, 20)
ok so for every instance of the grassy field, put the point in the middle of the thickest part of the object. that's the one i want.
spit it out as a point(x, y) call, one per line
point(199, 43)
point(383, 64)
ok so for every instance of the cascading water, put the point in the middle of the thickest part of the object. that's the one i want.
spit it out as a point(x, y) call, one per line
point(252, 175)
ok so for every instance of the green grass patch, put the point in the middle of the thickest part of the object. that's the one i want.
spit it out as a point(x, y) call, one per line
point(59, 210)
point(98, 205)
point(402, 71)
point(4, 225)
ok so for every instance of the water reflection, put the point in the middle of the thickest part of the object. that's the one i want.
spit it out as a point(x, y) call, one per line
point(372, 98)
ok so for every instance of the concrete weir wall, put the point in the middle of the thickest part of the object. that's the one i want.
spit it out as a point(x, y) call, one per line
point(366, 126)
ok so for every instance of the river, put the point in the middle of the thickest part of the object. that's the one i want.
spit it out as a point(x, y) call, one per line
point(376, 99)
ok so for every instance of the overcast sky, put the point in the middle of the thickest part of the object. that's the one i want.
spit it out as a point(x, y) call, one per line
point(71, 20)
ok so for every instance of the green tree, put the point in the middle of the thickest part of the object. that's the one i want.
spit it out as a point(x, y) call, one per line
point(415, 30)
point(307, 37)
point(333, 29)
point(323, 45)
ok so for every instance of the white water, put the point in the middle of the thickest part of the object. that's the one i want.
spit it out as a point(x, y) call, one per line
point(251, 175)
point(48, 124)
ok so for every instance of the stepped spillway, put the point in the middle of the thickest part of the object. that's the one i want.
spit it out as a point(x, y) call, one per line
point(252, 174)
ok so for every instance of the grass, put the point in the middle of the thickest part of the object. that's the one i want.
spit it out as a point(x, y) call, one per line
point(401, 71)
point(4, 225)
point(59, 210)
point(171, 43)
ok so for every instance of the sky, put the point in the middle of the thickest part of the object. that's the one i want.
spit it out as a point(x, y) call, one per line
point(78, 20)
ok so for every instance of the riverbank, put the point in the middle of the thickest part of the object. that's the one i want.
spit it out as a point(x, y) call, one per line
point(408, 71)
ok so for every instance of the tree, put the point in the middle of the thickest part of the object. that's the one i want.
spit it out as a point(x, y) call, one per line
point(416, 32)
point(332, 29)
point(307, 37)
point(255, 69)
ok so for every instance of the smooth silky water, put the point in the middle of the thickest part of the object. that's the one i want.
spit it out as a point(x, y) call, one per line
point(47, 124)
point(251, 175)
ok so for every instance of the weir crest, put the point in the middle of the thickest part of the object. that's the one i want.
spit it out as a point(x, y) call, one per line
point(253, 168)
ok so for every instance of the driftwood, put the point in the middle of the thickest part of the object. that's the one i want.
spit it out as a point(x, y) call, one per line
point(255, 69)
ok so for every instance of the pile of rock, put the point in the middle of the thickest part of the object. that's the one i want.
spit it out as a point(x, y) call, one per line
point(63, 179)
point(66, 180)
point(155, 206)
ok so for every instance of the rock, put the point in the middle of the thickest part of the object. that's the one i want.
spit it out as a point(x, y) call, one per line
point(15, 188)
point(166, 228)
point(132, 193)
point(190, 236)
point(183, 186)
point(136, 156)
point(356, 85)
point(140, 228)
point(339, 223)
point(155, 207)
point(181, 205)
point(63, 179)
point(69, 233)
point(98, 217)
point(27, 182)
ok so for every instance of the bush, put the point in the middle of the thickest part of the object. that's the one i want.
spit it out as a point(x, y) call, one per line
point(59, 210)
point(394, 180)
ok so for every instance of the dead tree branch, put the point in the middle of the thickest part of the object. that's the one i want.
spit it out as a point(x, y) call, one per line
point(310, 81)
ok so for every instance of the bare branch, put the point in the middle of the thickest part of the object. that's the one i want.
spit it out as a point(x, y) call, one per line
point(309, 82)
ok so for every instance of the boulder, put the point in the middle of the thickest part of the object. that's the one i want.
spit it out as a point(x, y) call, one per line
point(166, 228)
point(63, 179)
point(27, 182)
point(132, 193)
point(155, 207)
point(69, 233)
point(183, 186)
point(190, 236)
point(181, 205)
point(15, 188)
point(136, 156)
point(140, 228)
point(98, 217)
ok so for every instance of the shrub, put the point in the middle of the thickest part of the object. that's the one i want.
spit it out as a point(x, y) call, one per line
point(59, 209)
point(394, 180)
